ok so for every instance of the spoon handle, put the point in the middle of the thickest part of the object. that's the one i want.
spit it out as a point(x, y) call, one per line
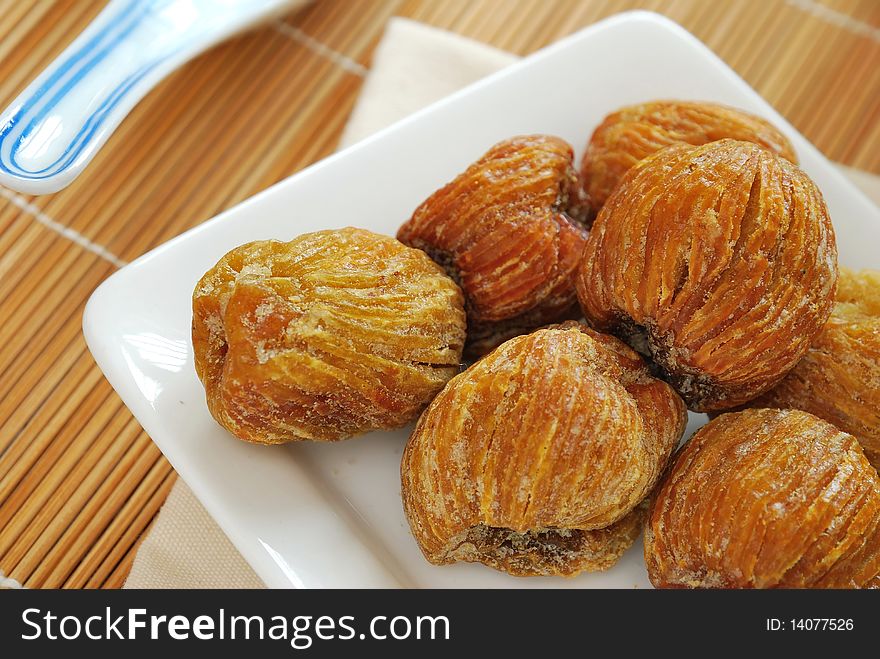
point(58, 123)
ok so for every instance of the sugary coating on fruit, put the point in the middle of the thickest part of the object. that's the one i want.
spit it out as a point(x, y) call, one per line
point(719, 262)
point(509, 231)
point(533, 460)
point(766, 499)
point(839, 378)
point(633, 133)
point(332, 334)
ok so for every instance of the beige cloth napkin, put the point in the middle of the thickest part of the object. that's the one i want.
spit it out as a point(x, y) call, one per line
point(413, 66)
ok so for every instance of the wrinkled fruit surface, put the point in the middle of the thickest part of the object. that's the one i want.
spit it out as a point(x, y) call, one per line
point(633, 133)
point(509, 230)
point(329, 335)
point(534, 460)
point(719, 262)
point(839, 377)
point(766, 499)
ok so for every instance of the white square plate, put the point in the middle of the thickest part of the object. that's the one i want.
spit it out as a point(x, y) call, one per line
point(310, 515)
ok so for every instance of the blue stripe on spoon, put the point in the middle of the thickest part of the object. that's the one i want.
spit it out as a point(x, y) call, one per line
point(123, 30)
point(150, 38)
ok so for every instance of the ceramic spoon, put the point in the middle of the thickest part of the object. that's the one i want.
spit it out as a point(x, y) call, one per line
point(54, 128)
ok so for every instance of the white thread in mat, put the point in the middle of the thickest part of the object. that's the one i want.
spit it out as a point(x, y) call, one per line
point(57, 227)
point(837, 18)
point(320, 49)
point(8, 583)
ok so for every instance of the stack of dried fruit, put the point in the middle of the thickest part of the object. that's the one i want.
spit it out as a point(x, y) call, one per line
point(692, 239)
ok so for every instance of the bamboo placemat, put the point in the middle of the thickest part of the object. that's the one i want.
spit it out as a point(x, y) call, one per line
point(80, 481)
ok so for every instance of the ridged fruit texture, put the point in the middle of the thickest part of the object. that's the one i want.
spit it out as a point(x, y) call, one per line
point(766, 499)
point(534, 460)
point(633, 133)
point(719, 262)
point(509, 231)
point(329, 335)
point(839, 377)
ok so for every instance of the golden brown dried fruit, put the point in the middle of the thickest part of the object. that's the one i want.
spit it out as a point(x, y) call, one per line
point(534, 460)
point(633, 133)
point(329, 335)
point(839, 378)
point(719, 262)
point(508, 230)
point(859, 291)
point(766, 499)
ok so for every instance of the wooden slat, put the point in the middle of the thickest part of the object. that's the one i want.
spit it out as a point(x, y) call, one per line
point(80, 481)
